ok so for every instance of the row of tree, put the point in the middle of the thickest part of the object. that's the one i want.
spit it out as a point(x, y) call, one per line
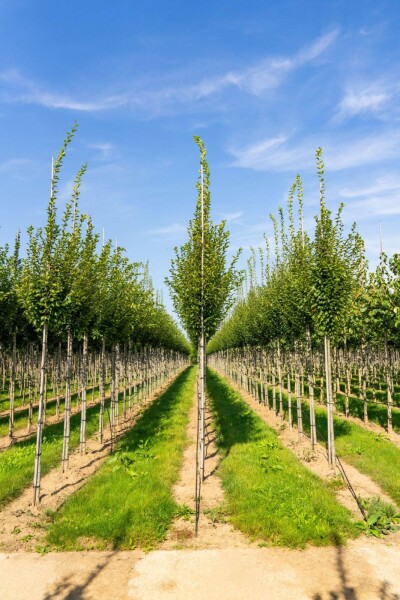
point(315, 293)
point(66, 289)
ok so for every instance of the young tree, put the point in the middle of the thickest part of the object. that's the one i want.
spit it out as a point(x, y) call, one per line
point(40, 292)
point(331, 288)
point(202, 286)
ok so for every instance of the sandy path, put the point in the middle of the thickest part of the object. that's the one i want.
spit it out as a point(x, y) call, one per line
point(365, 569)
point(22, 524)
point(66, 575)
point(361, 571)
point(212, 533)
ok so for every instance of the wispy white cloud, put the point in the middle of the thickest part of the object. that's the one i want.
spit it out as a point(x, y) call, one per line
point(105, 148)
point(264, 76)
point(235, 216)
point(26, 91)
point(377, 98)
point(282, 153)
point(384, 206)
point(383, 184)
point(18, 168)
point(168, 229)
point(379, 199)
point(256, 80)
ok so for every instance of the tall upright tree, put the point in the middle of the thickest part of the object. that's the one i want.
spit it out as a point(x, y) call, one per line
point(202, 286)
point(40, 291)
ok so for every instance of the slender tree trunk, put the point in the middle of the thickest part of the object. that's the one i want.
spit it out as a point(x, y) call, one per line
point(297, 389)
point(202, 406)
point(82, 438)
point(67, 407)
point(310, 369)
point(39, 431)
point(113, 392)
point(12, 385)
point(280, 380)
point(102, 391)
point(328, 378)
point(289, 394)
point(389, 388)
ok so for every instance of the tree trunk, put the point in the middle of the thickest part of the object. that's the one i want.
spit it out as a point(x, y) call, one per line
point(82, 437)
point(102, 391)
point(67, 406)
point(329, 402)
point(12, 385)
point(39, 431)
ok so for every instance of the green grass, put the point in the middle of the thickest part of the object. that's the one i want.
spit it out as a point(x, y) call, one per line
point(17, 462)
point(270, 496)
point(129, 503)
point(369, 452)
point(377, 413)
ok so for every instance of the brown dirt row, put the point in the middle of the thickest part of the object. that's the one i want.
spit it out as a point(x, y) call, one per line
point(212, 532)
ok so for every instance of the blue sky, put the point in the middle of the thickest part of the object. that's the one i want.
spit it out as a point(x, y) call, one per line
point(263, 83)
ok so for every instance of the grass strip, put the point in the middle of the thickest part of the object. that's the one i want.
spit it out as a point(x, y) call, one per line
point(371, 453)
point(377, 413)
point(270, 495)
point(17, 461)
point(128, 503)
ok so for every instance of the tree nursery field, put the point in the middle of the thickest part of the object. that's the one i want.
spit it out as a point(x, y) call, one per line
point(258, 438)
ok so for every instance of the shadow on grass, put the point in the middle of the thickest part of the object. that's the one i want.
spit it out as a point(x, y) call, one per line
point(240, 424)
point(151, 420)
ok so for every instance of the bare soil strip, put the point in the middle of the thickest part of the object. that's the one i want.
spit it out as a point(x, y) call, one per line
point(22, 526)
point(212, 533)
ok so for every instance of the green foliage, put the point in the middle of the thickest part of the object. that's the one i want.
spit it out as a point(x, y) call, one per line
point(331, 277)
point(201, 285)
point(40, 286)
point(382, 517)
point(315, 286)
point(66, 283)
